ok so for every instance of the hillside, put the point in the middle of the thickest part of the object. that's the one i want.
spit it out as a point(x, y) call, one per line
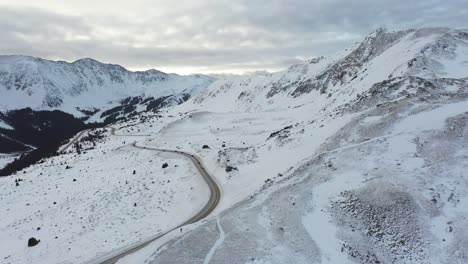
point(399, 57)
point(356, 158)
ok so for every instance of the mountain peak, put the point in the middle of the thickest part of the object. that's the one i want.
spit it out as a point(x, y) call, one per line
point(426, 53)
point(87, 60)
point(86, 83)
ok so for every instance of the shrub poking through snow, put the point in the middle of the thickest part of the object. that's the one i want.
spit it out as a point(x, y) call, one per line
point(230, 168)
point(32, 242)
point(165, 165)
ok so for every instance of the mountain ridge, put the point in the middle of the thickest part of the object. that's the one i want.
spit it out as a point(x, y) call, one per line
point(426, 53)
point(44, 84)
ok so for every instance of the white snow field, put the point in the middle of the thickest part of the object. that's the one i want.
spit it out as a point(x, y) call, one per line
point(390, 184)
point(367, 165)
point(7, 158)
point(4, 125)
point(96, 204)
point(357, 158)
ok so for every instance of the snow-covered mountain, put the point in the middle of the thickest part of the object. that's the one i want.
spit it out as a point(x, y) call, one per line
point(356, 158)
point(89, 90)
point(86, 84)
point(384, 57)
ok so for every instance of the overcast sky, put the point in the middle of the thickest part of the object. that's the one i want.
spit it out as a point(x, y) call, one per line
point(208, 36)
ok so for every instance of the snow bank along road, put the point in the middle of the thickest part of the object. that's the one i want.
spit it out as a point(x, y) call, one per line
point(215, 197)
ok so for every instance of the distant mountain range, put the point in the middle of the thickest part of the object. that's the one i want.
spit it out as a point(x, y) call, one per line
point(38, 96)
point(85, 84)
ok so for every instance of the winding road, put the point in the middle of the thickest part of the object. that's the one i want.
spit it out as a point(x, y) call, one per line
point(73, 140)
point(215, 196)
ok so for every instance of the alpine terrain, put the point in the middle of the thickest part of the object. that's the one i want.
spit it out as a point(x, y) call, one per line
point(44, 102)
point(360, 157)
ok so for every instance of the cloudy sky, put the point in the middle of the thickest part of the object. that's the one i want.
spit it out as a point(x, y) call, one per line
point(208, 36)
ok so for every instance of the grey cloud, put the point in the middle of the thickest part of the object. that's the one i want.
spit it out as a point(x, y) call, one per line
point(214, 35)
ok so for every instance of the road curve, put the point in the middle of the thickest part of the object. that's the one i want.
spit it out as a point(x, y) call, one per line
point(215, 197)
point(73, 140)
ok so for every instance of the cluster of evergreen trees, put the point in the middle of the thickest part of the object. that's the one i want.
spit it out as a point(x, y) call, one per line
point(45, 130)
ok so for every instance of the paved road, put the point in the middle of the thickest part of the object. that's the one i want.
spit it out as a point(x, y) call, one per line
point(73, 140)
point(215, 197)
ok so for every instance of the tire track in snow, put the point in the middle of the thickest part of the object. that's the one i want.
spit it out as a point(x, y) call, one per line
point(218, 242)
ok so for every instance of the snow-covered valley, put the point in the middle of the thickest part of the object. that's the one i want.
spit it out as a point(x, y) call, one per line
point(356, 158)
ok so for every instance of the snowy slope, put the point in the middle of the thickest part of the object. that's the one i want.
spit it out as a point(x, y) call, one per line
point(335, 159)
point(7, 158)
point(85, 83)
point(426, 53)
point(83, 205)
point(4, 125)
point(389, 187)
